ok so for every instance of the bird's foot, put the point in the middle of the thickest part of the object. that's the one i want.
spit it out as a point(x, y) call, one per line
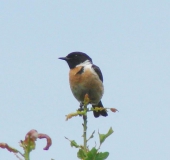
point(80, 108)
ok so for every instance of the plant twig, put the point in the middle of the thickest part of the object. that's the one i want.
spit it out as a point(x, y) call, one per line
point(18, 156)
point(85, 128)
point(86, 102)
point(27, 155)
point(92, 135)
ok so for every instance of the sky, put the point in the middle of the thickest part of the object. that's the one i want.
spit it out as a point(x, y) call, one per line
point(128, 40)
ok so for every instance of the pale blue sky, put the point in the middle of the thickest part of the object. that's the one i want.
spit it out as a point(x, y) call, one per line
point(129, 41)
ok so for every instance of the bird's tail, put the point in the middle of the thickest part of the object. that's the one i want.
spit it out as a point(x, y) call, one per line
point(103, 112)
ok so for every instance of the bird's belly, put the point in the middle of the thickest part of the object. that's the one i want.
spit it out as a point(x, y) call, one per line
point(88, 83)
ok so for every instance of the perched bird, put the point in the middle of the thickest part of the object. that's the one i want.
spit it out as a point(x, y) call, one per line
point(85, 78)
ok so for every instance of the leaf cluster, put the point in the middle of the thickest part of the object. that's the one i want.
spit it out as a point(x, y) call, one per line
point(28, 144)
point(93, 154)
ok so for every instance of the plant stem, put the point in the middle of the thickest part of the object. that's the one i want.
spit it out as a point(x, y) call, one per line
point(85, 128)
point(27, 155)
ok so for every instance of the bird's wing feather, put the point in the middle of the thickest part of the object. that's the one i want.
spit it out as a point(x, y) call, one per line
point(98, 71)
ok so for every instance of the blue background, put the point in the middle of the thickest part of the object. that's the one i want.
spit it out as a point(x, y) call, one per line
point(129, 41)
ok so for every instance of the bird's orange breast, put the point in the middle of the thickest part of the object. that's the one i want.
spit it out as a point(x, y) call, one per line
point(86, 82)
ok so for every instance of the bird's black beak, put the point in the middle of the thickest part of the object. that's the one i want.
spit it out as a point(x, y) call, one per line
point(64, 58)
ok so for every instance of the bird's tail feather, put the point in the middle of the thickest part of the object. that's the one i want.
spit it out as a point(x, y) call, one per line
point(103, 112)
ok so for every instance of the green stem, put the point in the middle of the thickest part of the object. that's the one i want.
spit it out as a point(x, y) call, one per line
point(27, 155)
point(85, 129)
point(27, 151)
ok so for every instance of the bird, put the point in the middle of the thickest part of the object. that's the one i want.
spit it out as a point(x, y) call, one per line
point(85, 78)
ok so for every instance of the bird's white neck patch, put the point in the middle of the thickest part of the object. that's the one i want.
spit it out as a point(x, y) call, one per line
point(85, 63)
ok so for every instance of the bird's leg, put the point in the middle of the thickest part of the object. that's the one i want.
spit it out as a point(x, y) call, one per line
point(81, 106)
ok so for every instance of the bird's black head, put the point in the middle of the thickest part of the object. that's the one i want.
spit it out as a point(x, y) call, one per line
point(75, 58)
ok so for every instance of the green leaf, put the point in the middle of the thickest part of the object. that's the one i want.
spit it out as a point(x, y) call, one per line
point(74, 144)
point(91, 154)
point(102, 156)
point(81, 154)
point(93, 151)
point(104, 136)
